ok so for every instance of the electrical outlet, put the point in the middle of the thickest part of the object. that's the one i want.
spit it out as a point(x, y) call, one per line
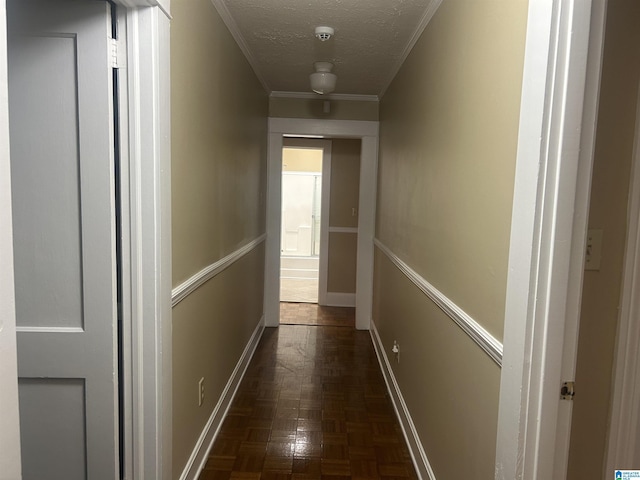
point(201, 392)
point(396, 350)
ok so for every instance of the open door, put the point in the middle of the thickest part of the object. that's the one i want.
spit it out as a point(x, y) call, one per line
point(62, 160)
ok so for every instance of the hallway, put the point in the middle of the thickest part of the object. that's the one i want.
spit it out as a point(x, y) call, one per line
point(312, 404)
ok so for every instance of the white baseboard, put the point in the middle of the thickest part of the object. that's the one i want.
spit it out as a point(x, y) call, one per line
point(337, 299)
point(198, 457)
point(418, 455)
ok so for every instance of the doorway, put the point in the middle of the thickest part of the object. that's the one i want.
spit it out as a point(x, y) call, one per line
point(282, 130)
point(300, 234)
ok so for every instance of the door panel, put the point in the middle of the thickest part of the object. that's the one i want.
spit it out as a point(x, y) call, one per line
point(47, 227)
point(61, 126)
point(63, 400)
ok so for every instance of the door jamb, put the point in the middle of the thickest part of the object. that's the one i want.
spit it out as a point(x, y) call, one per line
point(624, 425)
point(542, 235)
point(580, 227)
point(148, 130)
point(10, 464)
point(368, 133)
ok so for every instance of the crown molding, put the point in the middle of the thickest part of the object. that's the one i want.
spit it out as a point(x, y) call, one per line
point(228, 20)
point(331, 96)
point(424, 21)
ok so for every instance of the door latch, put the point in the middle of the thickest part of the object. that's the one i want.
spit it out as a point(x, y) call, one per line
point(567, 392)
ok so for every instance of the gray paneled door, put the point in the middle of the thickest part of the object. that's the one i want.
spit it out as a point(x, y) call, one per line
point(62, 160)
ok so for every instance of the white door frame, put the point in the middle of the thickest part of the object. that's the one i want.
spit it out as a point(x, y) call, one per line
point(149, 168)
point(368, 133)
point(580, 227)
point(147, 62)
point(624, 426)
point(10, 464)
point(552, 176)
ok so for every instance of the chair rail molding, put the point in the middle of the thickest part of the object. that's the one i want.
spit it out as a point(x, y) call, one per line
point(471, 327)
point(190, 285)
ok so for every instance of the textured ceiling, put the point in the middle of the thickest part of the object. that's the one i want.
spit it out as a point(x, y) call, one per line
point(372, 38)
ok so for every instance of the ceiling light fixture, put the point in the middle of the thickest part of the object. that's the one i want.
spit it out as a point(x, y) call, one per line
point(323, 81)
point(324, 33)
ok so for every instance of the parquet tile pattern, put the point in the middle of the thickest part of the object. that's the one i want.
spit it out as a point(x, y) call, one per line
point(312, 405)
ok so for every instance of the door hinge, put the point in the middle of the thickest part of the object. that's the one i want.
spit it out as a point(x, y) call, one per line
point(568, 390)
point(118, 54)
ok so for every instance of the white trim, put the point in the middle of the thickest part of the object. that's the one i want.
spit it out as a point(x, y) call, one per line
point(624, 426)
point(198, 457)
point(274, 227)
point(149, 127)
point(580, 225)
point(423, 467)
point(539, 269)
point(301, 173)
point(340, 299)
point(331, 96)
point(50, 329)
point(164, 5)
point(429, 12)
point(325, 208)
point(368, 133)
point(303, 142)
point(10, 464)
point(366, 231)
point(231, 24)
point(343, 230)
point(328, 128)
point(473, 329)
point(187, 287)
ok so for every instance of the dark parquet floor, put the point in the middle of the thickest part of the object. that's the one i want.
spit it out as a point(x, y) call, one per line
point(312, 405)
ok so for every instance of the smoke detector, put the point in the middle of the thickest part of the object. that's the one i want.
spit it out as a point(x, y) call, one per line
point(324, 33)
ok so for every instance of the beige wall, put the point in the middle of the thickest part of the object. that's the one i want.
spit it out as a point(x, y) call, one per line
point(449, 384)
point(219, 132)
point(448, 128)
point(345, 190)
point(301, 160)
point(313, 108)
point(448, 137)
point(219, 135)
point(211, 329)
point(345, 182)
point(341, 268)
point(608, 211)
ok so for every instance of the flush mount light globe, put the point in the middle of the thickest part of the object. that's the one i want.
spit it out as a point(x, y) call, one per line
point(323, 81)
